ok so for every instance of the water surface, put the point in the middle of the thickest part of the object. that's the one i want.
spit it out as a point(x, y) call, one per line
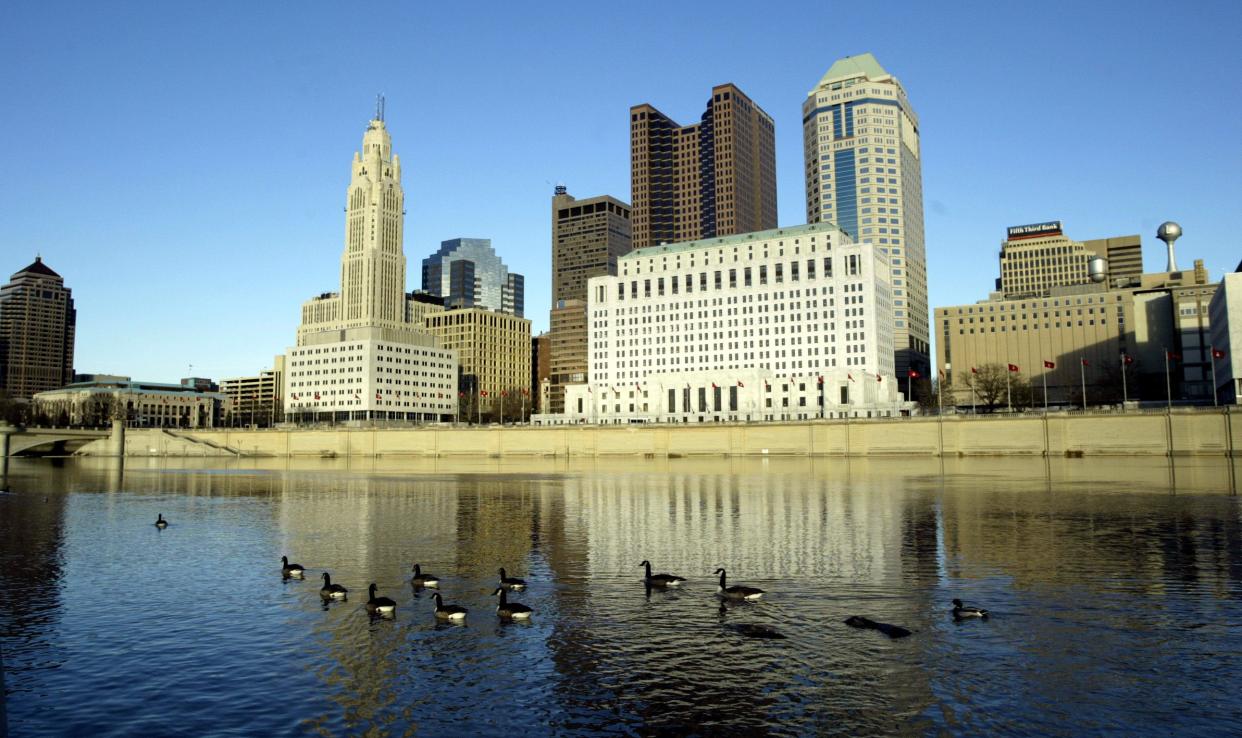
point(1114, 588)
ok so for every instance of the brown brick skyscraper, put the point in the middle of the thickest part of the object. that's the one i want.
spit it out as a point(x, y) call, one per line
point(37, 322)
point(713, 178)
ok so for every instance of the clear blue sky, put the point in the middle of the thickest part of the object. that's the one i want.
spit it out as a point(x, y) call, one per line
point(184, 165)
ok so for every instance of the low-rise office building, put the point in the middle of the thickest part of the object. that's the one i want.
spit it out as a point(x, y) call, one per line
point(1225, 318)
point(256, 400)
point(98, 399)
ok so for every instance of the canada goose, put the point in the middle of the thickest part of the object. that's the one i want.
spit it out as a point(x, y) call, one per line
point(892, 631)
point(290, 570)
point(661, 580)
point(160, 522)
point(750, 630)
point(330, 590)
point(738, 591)
point(381, 605)
point(512, 583)
point(960, 611)
point(424, 580)
point(510, 610)
point(448, 612)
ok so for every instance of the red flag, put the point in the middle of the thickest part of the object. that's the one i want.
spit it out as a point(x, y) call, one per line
point(878, 378)
point(1050, 365)
point(821, 379)
point(524, 391)
point(974, 370)
point(377, 395)
point(1013, 368)
point(482, 393)
point(1173, 356)
point(1084, 362)
point(766, 386)
point(589, 392)
point(295, 395)
point(913, 374)
point(739, 383)
point(357, 396)
point(316, 395)
point(850, 376)
point(714, 386)
point(461, 395)
point(1127, 359)
point(1217, 353)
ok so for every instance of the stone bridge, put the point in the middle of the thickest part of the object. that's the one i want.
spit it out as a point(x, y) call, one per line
point(18, 441)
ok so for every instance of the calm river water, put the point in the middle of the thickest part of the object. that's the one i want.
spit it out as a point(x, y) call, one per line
point(1115, 589)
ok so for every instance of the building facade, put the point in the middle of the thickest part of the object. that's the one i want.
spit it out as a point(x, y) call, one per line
point(37, 324)
point(493, 350)
point(712, 178)
point(1081, 334)
point(1038, 258)
point(98, 399)
point(588, 237)
point(256, 400)
point(540, 370)
point(786, 324)
point(363, 353)
point(864, 173)
point(466, 272)
point(1225, 316)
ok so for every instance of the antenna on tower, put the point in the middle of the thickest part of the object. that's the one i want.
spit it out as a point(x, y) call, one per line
point(379, 107)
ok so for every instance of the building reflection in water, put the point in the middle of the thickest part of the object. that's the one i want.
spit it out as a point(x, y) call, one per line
point(890, 539)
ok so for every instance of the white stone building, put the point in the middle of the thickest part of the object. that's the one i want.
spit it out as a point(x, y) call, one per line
point(787, 324)
point(360, 353)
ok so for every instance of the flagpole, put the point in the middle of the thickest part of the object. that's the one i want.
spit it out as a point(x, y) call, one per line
point(1125, 394)
point(1082, 375)
point(1008, 393)
point(1045, 376)
point(1212, 352)
point(1168, 383)
point(940, 395)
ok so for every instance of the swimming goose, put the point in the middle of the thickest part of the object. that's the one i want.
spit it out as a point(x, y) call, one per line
point(737, 591)
point(510, 610)
point(290, 570)
point(160, 522)
point(892, 631)
point(424, 580)
point(960, 611)
point(381, 605)
point(661, 580)
point(330, 590)
point(448, 612)
point(512, 583)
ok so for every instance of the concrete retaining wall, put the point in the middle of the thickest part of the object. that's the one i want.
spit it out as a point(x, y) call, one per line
point(1190, 433)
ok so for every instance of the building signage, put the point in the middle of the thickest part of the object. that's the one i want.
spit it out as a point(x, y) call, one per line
point(1051, 228)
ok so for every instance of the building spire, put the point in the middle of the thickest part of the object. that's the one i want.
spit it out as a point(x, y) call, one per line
point(379, 107)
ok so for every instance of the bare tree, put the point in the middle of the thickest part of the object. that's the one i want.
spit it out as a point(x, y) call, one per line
point(991, 385)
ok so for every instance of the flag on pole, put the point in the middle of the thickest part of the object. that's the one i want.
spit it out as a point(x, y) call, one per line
point(1173, 355)
point(1217, 353)
point(1085, 362)
point(461, 395)
point(525, 391)
point(1127, 359)
point(482, 393)
point(850, 377)
point(914, 374)
point(820, 379)
point(377, 395)
point(766, 386)
point(973, 370)
point(316, 395)
point(714, 386)
point(504, 393)
point(739, 383)
point(879, 378)
point(1050, 364)
point(1013, 368)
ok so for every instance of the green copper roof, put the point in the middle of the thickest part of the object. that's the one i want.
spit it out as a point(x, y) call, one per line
point(789, 231)
point(863, 65)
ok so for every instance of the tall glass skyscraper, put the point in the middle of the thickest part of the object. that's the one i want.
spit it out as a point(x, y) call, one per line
point(466, 272)
point(864, 173)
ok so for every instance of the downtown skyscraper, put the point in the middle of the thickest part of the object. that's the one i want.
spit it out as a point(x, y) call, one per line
point(864, 173)
point(712, 178)
point(37, 324)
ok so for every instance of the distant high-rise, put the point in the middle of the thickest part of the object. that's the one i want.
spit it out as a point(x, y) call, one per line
point(466, 272)
point(712, 178)
point(588, 236)
point(37, 322)
point(864, 173)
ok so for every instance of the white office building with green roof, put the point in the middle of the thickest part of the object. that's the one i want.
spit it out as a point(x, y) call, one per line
point(786, 324)
point(864, 173)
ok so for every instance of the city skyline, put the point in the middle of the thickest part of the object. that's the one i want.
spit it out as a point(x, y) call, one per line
point(227, 259)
